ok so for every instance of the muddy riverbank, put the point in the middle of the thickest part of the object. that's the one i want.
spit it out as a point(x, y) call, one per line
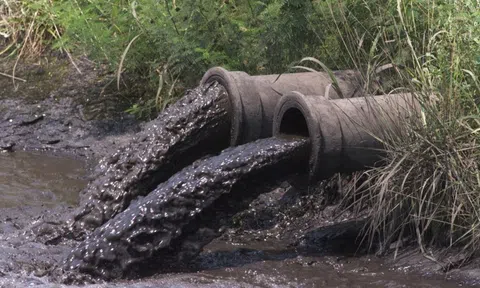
point(284, 238)
point(59, 110)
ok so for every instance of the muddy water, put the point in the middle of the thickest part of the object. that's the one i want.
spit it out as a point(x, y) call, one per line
point(196, 125)
point(274, 263)
point(37, 192)
point(36, 179)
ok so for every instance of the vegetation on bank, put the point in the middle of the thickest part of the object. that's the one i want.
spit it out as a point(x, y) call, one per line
point(430, 187)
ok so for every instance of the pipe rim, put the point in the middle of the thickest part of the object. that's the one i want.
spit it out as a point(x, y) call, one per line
point(296, 100)
point(224, 78)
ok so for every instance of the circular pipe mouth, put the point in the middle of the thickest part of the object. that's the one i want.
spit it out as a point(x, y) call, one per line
point(225, 78)
point(293, 123)
point(343, 133)
point(294, 118)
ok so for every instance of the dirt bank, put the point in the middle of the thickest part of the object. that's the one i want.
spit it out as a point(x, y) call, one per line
point(57, 109)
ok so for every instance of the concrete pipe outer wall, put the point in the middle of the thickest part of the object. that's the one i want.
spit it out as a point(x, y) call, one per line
point(254, 98)
point(345, 133)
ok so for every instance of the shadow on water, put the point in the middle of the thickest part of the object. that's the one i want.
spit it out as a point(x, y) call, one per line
point(274, 263)
point(330, 258)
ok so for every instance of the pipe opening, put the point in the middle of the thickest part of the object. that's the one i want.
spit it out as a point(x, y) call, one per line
point(293, 123)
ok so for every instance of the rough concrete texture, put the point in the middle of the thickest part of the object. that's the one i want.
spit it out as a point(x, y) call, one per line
point(254, 98)
point(345, 133)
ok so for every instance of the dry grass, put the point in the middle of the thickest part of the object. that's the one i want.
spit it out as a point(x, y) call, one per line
point(26, 27)
point(429, 187)
point(27, 30)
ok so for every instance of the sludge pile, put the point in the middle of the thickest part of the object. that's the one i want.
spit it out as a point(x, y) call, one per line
point(324, 137)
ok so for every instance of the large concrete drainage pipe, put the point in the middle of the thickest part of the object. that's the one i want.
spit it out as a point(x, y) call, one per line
point(345, 134)
point(253, 98)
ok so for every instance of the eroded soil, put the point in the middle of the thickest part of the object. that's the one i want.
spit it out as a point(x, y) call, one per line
point(60, 110)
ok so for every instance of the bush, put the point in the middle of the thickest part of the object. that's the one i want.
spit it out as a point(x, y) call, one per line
point(177, 41)
point(169, 44)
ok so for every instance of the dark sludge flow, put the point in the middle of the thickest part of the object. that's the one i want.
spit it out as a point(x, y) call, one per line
point(179, 217)
point(196, 125)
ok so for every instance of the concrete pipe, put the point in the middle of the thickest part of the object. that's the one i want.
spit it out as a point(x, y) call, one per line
point(253, 98)
point(345, 134)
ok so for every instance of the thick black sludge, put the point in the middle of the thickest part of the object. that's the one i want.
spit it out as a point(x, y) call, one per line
point(176, 218)
point(196, 125)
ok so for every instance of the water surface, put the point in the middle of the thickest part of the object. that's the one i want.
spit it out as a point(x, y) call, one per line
point(37, 179)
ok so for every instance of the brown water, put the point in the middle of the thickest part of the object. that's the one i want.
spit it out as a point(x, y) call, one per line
point(273, 264)
point(36, 179)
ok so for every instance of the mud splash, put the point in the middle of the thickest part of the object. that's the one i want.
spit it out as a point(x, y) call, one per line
point(184, 132)
point(164, 223)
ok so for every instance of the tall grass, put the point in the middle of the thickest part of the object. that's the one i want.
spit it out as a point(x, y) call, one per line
point(429, 188)
point(27, 27)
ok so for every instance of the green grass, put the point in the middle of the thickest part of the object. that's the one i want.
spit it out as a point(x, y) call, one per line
point(175, 41)
point(429, 188)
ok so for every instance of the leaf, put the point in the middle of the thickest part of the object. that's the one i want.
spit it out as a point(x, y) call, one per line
point(120, 66)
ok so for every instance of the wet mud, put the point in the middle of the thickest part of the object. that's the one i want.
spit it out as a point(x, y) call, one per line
point(168, 213)
point(31, 243)
point(59, 110)
point(196, 125)
point(57, 126)
point(268, 236)
point(240, 257)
